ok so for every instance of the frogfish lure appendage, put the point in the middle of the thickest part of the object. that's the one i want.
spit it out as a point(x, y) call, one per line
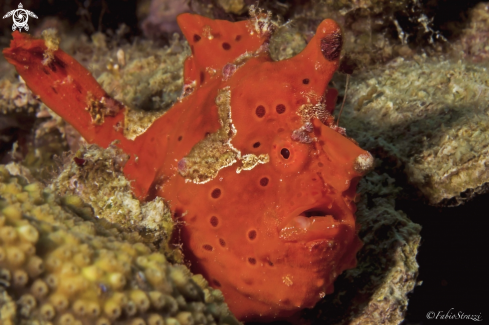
point(250, 159)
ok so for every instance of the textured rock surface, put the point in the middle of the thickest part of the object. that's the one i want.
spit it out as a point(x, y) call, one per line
point(14, 95)
point(430, 119)
point(94, 175)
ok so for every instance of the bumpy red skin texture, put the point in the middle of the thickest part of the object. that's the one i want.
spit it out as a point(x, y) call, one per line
point(268, 265)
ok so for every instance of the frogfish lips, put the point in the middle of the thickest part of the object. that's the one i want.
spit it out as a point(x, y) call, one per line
point(310, 225)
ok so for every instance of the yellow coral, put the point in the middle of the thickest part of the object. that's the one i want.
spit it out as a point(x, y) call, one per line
point(88, 276)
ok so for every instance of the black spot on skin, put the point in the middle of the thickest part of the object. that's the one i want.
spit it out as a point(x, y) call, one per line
point(331, 46)
point(216, 193)
point(196, 38)
point(208, 247)
point(285, 153)
point(256, 144)
point(55, 91)
point(226, 46)
point(260, 111)
point(280, 108)
point(214, 221)
point(305, 81)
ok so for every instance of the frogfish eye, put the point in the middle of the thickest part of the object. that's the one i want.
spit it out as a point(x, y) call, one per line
point(288, 155)
point(285, 153)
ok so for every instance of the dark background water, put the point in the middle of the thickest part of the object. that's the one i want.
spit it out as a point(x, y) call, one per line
point(453, 259)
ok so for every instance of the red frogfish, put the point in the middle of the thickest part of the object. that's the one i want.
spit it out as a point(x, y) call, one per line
point(250, 158)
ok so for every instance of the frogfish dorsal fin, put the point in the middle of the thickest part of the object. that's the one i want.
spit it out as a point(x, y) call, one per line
point(214, 43)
